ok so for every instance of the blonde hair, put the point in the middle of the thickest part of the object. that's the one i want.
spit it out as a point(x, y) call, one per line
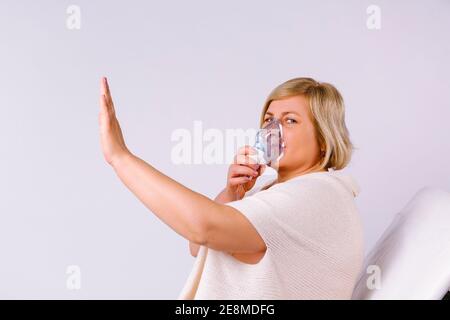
point(328, 115)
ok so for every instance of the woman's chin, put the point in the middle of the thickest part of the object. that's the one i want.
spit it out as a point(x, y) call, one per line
point(278, 165)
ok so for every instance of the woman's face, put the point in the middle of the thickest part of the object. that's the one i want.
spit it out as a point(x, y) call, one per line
point(302, 150)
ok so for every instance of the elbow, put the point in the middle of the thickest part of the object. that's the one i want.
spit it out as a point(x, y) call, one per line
point(193, 248)
point(199, 234)
point(203, 225)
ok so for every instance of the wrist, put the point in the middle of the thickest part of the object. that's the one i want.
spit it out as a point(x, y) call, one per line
point(232, 194)
point(121, 159)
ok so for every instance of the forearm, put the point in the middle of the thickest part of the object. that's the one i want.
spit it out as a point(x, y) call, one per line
point(176, 205)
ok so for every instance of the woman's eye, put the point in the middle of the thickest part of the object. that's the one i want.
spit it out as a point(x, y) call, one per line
point(292, 120)
point(267, 119)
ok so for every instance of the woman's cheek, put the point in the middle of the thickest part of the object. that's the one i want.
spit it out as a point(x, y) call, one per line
point(294, 147)
point(289, 147)
point(290, 142)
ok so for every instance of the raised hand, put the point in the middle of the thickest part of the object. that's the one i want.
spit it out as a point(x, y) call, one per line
point(111, 138)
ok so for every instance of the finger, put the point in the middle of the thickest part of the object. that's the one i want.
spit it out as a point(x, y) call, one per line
point(105, 106)
point(102, 85)
point(239, 180)
point(241, 160)
point(243, 170)
point(237, 170)
point(107, 91)
point(246, 150)
point(108, 95)
point(103, 117)
point(104, 90)
point(246, 160)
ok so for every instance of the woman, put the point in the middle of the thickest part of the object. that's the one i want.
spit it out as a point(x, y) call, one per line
point(298, 237)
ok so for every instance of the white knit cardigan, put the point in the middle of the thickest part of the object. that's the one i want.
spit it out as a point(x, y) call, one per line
point(314, 240)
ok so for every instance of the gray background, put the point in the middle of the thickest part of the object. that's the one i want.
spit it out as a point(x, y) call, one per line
point(173, 62)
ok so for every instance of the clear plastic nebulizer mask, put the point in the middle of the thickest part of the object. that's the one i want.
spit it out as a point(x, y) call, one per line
point(269, 144)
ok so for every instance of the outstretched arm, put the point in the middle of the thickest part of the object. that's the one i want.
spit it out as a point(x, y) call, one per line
point(190, 214)
point(222, 197)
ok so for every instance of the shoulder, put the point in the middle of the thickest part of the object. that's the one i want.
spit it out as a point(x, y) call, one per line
point(320, 184)
point(324, 194)
point(308, 185)
point(327, 190)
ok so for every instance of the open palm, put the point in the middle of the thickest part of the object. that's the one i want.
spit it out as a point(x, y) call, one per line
point(111, 137)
